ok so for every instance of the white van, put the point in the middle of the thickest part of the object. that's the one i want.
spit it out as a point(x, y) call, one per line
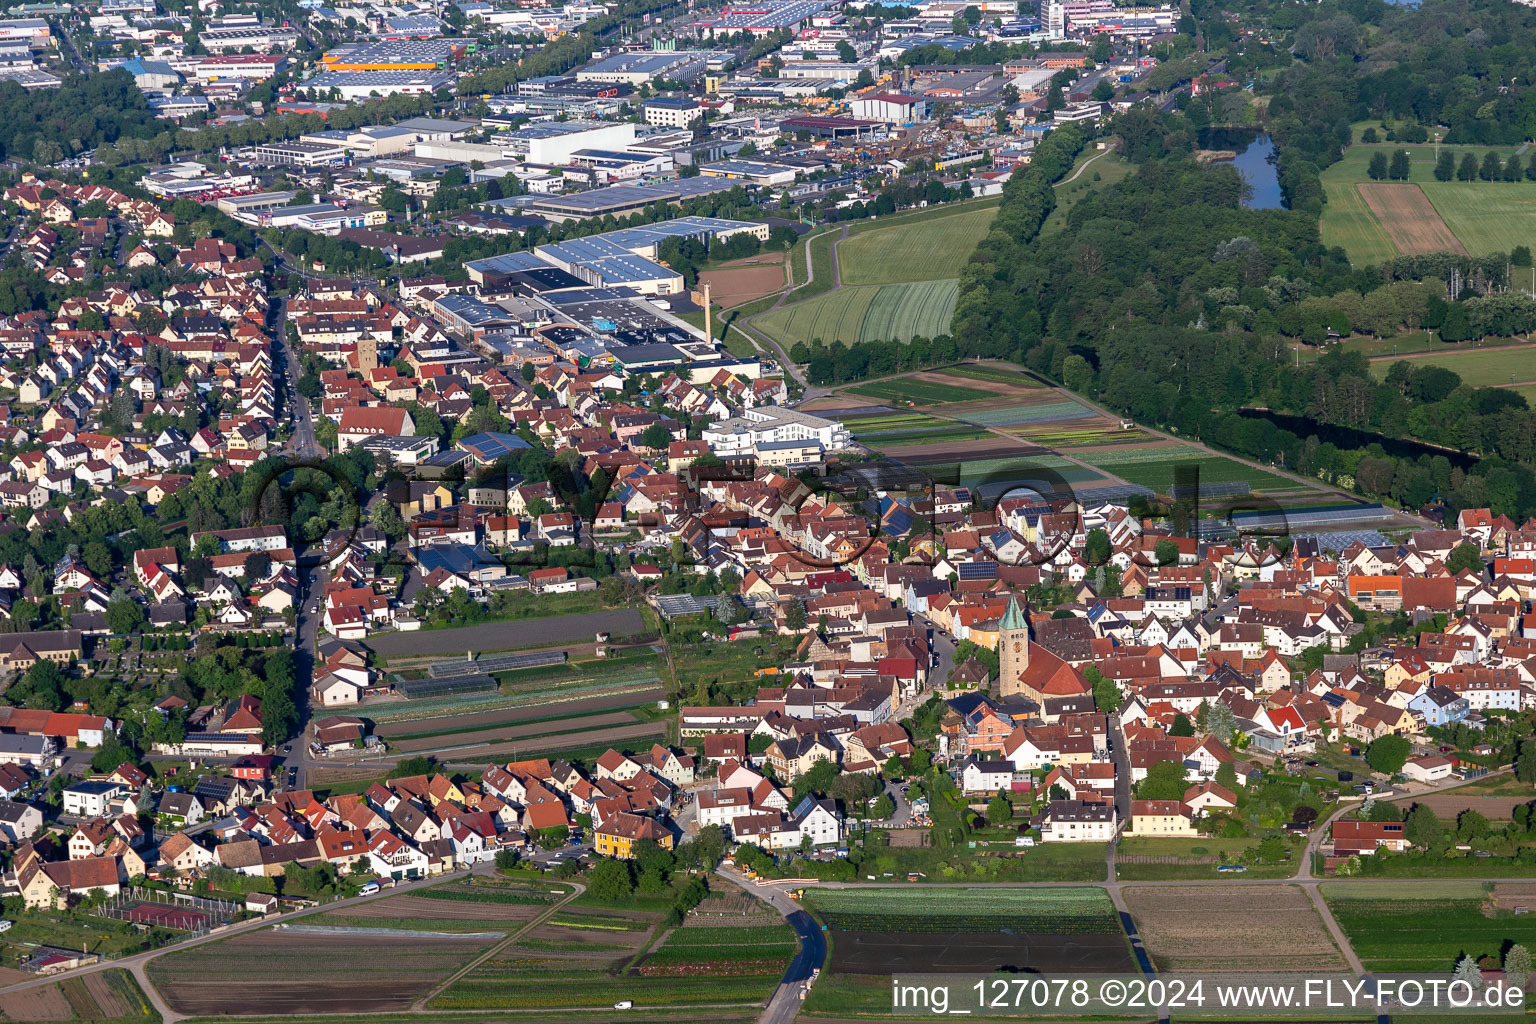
point(371, 889)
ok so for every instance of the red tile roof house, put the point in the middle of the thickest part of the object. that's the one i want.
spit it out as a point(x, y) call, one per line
point(1366, 837)
point(359, 422)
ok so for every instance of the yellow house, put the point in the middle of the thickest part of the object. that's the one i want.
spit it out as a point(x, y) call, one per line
point(1160, 818)
point(617, 836)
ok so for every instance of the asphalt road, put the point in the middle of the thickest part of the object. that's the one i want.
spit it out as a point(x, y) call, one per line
point(798, 978)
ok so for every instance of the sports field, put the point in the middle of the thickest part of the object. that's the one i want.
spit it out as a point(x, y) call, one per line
point(928, 250)
point(887, 312)
point(1478, 367)
point(1408, 217)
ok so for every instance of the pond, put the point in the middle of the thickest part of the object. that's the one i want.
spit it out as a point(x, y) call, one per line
point(1255, 162)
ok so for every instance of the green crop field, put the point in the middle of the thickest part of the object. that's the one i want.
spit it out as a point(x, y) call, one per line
point(923, 251)
point(1153, 468)
point(1427, 934)
point(1347, 222)
point(993, 374)
point(1486, 216)
point(1478, 367)
point(888, 312)
point(921, 391)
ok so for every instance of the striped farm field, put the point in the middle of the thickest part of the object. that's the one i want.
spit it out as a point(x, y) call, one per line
point(1348, 222)
point(865, 313)
point(926, 250)
point(905, 389)
point(1408, 218)
point(995, 374)
point(1014, 416)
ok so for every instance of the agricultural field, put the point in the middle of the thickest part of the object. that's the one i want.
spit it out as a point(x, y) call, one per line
point(1088, 432)
point(405, 719)
point(512, 732)
point(1478, 367)
point(927, 250)
point(1153, 467)
point(865, 313)
point(1424, 926)
point(1147, 859)
point(1409, 219)
point(551, 627)
point(464, 907)
point(909, 389)
point(410, 942)
point(1486, 216)
point(1348, 222)
point(874, 932)
point(1018, 415)
point(997, 373)
point(291, 972)
point(1221, 932)
point(589, 956)
point(739, 281)
point(106, 997)
point(1477, 216)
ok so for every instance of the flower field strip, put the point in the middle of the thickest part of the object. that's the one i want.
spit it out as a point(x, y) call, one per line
point(1427, 934)
point(730, 936)
point(608, 924)
point(996, 375)
point(547, 993)
point(761, 959)
point(486, 894)
point(942, 923)
point(1042, 912)
point(1017, 416)
point(1171, 453)
point(922, 391)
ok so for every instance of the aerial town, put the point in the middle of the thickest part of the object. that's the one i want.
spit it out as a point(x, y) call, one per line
point(612, 509)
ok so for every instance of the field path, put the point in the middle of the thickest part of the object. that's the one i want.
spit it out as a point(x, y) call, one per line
point(1084, 166)
point(420, 1005)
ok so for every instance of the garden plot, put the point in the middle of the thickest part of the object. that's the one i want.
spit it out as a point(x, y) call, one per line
point(1241, 928)
point(1017, 415)
point(588, 957)
point(1427, 925)
point(290, 973)
point(878, 931)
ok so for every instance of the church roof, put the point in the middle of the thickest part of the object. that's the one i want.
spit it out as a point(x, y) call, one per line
point(1013, 618)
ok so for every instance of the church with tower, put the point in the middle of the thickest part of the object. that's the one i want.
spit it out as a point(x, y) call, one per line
point(1025, 669)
